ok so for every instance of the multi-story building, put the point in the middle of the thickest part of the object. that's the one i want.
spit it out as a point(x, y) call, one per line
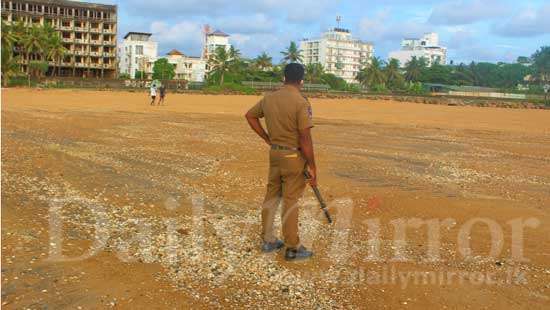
point(338, 52)
point(215, 39)
point(187, 67)
point(427, 47)
point(136, 52)
point(89, 31)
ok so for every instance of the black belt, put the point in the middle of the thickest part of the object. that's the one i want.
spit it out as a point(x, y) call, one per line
point(284, 148)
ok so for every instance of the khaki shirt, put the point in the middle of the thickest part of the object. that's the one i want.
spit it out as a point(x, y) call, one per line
point(286, 112)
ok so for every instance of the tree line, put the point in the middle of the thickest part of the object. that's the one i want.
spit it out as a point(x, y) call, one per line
point(227, 66)
point(37, 45)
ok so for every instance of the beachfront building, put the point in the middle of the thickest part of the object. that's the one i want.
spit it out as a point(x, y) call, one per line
point(88, 30)
point(136, 52)
point(187, 68)
point(427, 47)
point(215, 39)
point(338, 52)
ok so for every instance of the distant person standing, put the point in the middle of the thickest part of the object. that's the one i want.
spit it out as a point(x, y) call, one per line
point(153, 93)
point(162, 91)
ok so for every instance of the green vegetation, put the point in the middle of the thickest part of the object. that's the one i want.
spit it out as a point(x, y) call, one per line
point(229, 87)
point(541, 64)
point(373, 75)
point(38, 68)
point(124, 76)
point(263, 62)
point(221, 62)
point(292, 53)
point(314, 73)
point(163, 70)
point(140, 75)
point(379, 76)
point(36, 45)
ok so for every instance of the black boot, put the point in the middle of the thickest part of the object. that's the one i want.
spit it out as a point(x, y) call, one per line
point(296, 254)
point(272, 246)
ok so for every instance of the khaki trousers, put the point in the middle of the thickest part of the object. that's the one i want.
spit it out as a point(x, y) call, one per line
point(286, 182)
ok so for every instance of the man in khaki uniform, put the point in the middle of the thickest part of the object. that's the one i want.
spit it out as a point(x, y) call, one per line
point(288, 119)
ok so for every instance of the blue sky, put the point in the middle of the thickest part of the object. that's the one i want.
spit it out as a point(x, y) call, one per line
point(479, 30)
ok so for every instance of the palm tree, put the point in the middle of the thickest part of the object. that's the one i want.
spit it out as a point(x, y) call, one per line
point(292, 53)
point(220, 62)
point(394, 78)
point(474, 74)
point(9, 36)
point(10, 65)
point(413, 69)
point(56, 52)
point(263, 61)
point(462, 75)
point(314, 72)
point(32, 42)
point(9, 62)
point(236, 63)
point(372, 74)
point(234, 53)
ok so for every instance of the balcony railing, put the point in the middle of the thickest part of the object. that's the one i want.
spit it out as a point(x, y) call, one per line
point(79, 64)
point(82, 29)
point(80, 52)
point(82, 41)
point(95, 30)
point(107, 54)
point(97, 54)
point(68, 28)
point(95, 42)
point(68, 40)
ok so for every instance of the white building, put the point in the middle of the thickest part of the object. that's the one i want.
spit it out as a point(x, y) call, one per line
point(187, 67)
point(138, 53)
point(427, 47)
point(338, 52)
point(214, 40)
point(135, 52)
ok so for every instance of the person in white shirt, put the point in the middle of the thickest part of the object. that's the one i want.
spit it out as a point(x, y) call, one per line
point(153, 94)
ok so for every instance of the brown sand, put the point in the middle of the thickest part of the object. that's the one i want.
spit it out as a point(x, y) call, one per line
point(383, 160)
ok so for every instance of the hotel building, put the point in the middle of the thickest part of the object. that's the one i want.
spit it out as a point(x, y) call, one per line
point(338, 52)
point(89, 31)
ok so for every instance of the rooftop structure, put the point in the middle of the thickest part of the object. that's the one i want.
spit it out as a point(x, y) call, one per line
point(427, 47)
point(135, 53)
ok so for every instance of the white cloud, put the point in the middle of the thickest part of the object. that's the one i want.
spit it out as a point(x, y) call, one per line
point(460, 37)
point(528, 22)
point(182, 34)
point(294, 11)
point(255, 23)
point(467, 11)
point(382, 27)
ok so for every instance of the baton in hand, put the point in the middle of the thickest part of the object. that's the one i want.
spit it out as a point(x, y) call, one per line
point(319, 198)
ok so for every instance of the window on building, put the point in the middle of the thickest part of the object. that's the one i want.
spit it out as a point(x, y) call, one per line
point(139, 49)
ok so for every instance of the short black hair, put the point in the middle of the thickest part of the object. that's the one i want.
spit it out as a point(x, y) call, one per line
point(294, 73)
